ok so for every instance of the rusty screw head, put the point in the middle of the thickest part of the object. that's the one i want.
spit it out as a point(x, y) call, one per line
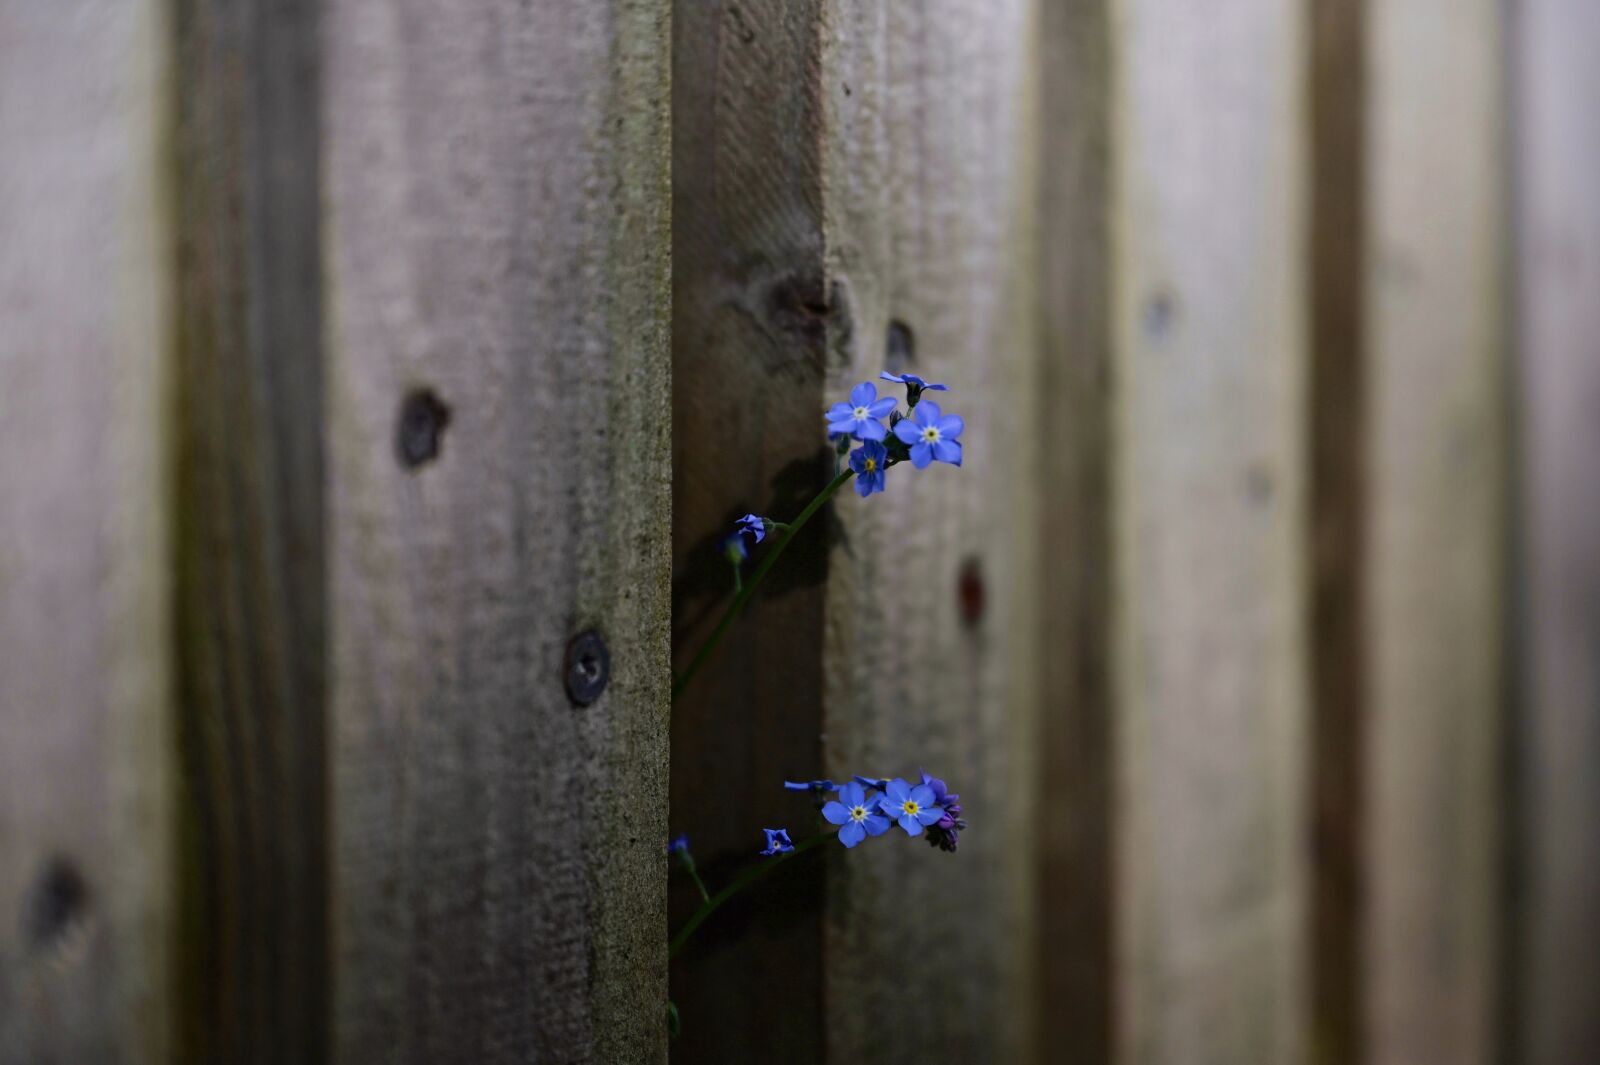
point(588, 668)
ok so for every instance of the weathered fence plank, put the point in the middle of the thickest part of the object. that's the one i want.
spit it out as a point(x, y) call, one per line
point(248, 528)
point(749, 305)
point(930, 656)
point(1555, 969)
point(1074, 588)
point(1338, 430)
point(86, 774)
point(497, 394)
point(1209, 481)
point(1435, 573)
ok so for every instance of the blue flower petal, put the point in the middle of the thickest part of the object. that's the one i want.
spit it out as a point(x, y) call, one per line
point(922, 795)
point(921, 455)
point(871, 430)
point(876, 825)
point(882, 407)
point(950, 426)
point(936, 388)
point(948, 451)
point(906, 431)
point(930, 814)
point(836, 813)
point(852, 834)
point(863, 394)
point(927, 413)
point(912, 826)
point(852, 794)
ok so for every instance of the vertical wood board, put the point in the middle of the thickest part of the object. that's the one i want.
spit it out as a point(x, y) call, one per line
point(85, 726)
point(931, 654)
point(499, 433)
point(1209, 481)
point(750, 307)
point(1556, 966)
point(1434, 338)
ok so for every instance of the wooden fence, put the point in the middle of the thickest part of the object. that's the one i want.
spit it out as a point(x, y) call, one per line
point(377, 381)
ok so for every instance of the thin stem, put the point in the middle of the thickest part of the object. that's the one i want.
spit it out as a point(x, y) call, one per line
point(754, 582)
point(752, 876)
point(705, 896)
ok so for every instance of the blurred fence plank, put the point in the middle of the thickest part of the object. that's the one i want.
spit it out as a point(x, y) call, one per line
point(86, 730)
point(1435, 262)
point(1076, 901)
point(750, 311)
point(1210, 461)
point(497, 398)
point(930, 657)
point(248, 529)
point(1556, 969)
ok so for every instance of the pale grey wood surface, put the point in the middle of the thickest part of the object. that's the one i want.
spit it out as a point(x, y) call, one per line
point(1555, 966)
point(1209, 481)
point(1435, 271)
point(497, 212)
point(931, 657)
point(86, 772)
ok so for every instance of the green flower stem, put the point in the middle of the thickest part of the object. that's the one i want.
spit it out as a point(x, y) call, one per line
point(752, 876)
point(705, 896)
point(754, 582)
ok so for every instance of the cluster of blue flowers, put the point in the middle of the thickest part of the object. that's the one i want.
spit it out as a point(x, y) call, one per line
point(924, 434)
point(869, 806)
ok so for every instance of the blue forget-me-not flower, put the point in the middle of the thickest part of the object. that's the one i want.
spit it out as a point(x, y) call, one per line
point(931, 435)
point(915, 385)
point(856, 814)
point(861, 416)
point(755, 525)
point(912, 807)
point(778, 841)
point(868, 461)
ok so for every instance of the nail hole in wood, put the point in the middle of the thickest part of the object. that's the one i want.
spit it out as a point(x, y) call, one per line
point(57, 900)
point(423, 418)
point(971, 592)
point(1160, 311)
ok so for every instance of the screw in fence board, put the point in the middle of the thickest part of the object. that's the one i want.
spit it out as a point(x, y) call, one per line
point(496, 180)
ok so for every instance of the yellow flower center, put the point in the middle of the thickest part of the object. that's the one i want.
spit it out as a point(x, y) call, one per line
point(931, 434)
point(858, 813)
point(860, 414)
point(871, 464)
point(912, 807)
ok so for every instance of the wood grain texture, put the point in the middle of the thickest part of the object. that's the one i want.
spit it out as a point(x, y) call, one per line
point(1338, 494)
point(248, 526)
point(931, 653)
point(497, 226)
point(1076, 911)
point(85, 711)
point(1209, 480)
point(1556, 967)
point(750, 307)
point(1435, 273)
